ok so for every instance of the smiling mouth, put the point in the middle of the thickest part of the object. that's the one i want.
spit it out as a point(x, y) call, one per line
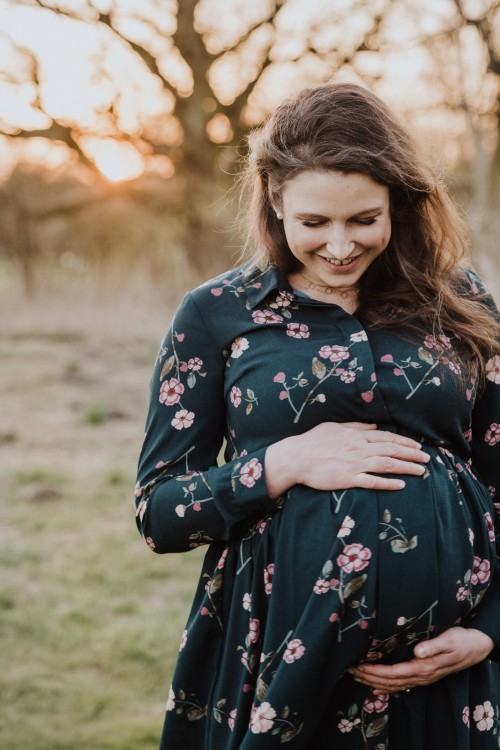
point(335, 262)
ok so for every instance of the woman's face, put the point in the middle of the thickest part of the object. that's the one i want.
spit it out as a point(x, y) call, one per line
point(335, 224)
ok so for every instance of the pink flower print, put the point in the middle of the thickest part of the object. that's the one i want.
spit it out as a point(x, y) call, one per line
point(359, 336)
point(483, 716)
point(183, 419)
point(462, 594)
point(298, 330)
point(254, 630)
point(280, 377)
point(283, 395)
point(355, 557)
point(268, 578)
point(348, 376)
point(180, 337)
point(247, 602)
point(195, 364)
point(492, 435)
point(397, 371)
point(138, 490)
point(466, 716)
point(376, 703)
point(294, 651)
point(141, 509)
point(335, 353)
point(261, 525)
point(180, 510)
point(235, 396)
point(440, 343)
point(171, 700)
point(387, 358)
point(239, 346)
point(216, 291)
point(347, 726)
point(250, 472)
point(284, 299)
point(262, 718)
point(171, 392)
point(493, 369)
point(347, 526)
point(468, 435)
point(480, 571)
point(222, 559)
point(183, 640)
point(334, 617)
point(322, 586)
point(150, 542)
point(491, 528)
point(231, 718)
point(367, 396)
point(454, 367)
point(266, 316)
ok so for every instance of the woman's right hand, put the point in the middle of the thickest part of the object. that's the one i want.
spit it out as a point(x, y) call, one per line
point(333, 456)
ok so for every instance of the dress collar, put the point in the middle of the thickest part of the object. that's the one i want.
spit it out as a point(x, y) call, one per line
point(259, 284)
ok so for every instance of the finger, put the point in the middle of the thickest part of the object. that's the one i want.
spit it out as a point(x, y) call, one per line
point(394, 450)
point(393, 437)
point(373, 482)
point(360, 426)
point(386, 672)
point(389, 465)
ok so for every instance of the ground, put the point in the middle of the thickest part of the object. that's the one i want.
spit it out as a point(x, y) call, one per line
point(90, 618)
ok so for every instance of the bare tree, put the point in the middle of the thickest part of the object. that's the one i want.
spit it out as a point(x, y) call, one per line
point(216, 81)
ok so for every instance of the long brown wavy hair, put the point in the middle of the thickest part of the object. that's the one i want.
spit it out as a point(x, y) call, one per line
point(345, 127)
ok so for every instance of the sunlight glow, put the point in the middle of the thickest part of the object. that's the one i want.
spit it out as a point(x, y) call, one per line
point(117, 161)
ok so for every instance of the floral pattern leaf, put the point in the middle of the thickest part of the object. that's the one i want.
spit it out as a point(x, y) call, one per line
point(318, 368)
point(425, 356)
point(167, 366)
point(376, 727)
point(403, 545)
point(354, 585)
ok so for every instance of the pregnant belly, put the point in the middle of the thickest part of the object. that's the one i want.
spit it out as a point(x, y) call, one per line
point(401, 565)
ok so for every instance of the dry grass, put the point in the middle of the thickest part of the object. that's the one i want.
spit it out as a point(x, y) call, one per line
point(90, 618)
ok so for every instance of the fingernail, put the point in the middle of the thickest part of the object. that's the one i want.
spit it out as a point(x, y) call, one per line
point(401, 484)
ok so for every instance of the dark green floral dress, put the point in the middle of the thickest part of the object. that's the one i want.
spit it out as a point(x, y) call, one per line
point(294, 592)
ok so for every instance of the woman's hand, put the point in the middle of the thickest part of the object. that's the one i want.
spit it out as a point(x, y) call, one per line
point(335, 456)
point(456, 649)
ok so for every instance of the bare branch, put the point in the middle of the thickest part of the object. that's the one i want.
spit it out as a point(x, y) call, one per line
point(57, 132)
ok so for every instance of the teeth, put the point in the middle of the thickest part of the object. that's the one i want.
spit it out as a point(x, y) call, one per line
point(335, 262)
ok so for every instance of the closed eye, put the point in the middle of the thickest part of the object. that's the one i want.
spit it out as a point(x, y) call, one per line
point(312, 224)
point(365, 222)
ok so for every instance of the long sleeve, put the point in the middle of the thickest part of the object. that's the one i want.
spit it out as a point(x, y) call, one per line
point(485, 445)
point(183, 498)
point(486, 463)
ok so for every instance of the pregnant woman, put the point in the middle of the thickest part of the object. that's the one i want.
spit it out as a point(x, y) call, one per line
point(349, 598)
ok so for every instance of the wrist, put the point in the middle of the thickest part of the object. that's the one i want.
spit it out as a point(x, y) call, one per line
point(281, 467)
point(484, 642)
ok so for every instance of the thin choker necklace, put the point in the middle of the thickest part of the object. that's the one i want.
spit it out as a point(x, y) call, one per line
point(343, 291)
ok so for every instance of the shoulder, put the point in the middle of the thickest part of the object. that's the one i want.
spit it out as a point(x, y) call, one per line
point(238, 288)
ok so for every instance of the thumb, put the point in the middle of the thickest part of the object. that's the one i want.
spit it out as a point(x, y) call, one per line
point(425, 649)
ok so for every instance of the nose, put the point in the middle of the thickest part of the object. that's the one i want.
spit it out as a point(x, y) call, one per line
point(338, 244)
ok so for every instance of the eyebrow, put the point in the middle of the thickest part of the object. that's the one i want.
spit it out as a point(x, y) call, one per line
point(314, 215)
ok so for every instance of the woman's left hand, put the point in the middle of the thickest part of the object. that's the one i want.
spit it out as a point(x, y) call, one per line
point(455, 649)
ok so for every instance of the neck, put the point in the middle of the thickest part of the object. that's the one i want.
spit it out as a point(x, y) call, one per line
point(343, 291)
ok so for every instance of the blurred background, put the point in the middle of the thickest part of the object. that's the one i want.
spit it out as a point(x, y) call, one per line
point(122, 132)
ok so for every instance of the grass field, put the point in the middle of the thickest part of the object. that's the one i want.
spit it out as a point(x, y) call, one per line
point(90, 619)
